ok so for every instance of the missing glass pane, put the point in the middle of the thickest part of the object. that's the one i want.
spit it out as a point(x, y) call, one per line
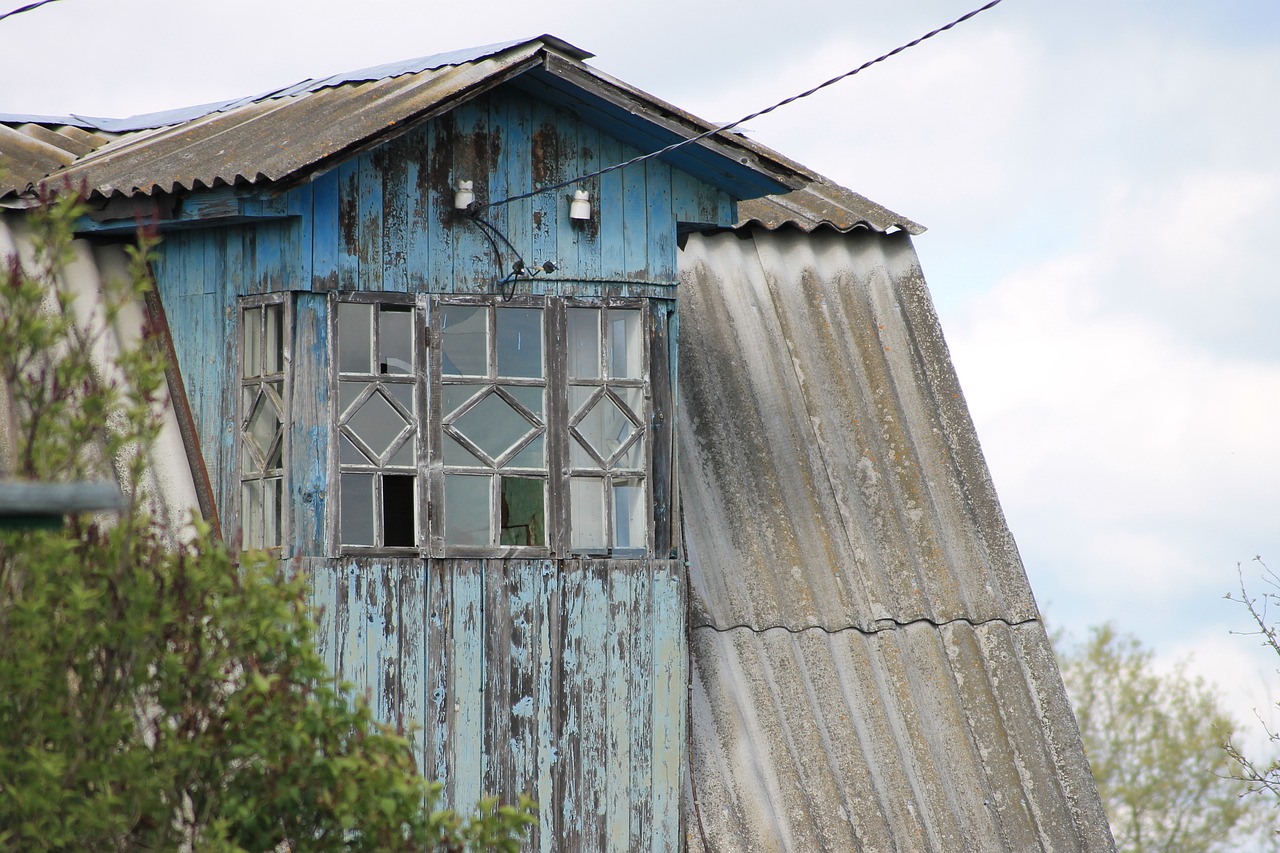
point(355, 337)
point(395, 339)
point(519, 342)
point(398, 529)
point(523, 511)
point(626, 360)
point(629, 513)
point(464, 346)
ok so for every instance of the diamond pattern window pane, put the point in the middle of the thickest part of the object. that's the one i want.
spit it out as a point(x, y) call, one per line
point(528, 396)
point(377, 423)
point(493, 425)
point(264, 424)
point(453, 396)
point(606, 427)
point(534, 455)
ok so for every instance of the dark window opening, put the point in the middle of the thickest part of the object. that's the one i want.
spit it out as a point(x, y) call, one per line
point(398, 510)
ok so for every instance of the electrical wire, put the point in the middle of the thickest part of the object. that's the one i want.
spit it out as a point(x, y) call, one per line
point(715, 130)
point(27, 8)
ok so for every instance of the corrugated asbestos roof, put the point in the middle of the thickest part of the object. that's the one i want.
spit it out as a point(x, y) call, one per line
point(870, 670)
point(291, 131)
point(823, 204)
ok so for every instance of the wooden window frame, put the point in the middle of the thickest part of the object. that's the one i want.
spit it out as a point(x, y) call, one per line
point(430, 427)
point(249, 389)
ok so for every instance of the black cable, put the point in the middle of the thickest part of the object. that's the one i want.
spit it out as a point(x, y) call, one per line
point(683, 142)
point(27, 8)
point(517, 269)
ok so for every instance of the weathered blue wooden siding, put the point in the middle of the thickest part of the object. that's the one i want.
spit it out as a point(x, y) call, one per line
point(563, 680)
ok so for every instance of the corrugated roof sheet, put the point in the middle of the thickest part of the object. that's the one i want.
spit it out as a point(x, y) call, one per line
point(290, 131)
point(870, 669)
point(823, 204)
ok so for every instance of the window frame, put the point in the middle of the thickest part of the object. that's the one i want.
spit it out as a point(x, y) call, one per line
point(430, 427)
point(284, 376)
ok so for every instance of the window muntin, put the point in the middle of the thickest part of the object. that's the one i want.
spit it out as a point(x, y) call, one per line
point(377, 424)
point(493, 425)
point(263, 421)
point(538, 412)
point(607, 396)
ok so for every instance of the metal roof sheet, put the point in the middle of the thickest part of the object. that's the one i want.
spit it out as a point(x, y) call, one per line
point(870, 669)
point(289, 132)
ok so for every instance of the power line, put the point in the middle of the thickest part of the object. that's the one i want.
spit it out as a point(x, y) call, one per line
point(26, 8)
point(715, 130)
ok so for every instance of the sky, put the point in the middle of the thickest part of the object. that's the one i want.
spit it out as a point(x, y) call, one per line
point(1101, 184)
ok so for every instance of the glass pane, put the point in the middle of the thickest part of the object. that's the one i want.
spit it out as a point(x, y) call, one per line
point(403, 394)
point(529, 397)
point(606, 428)
point(398, 527)
point(533, 455)
point(493, 425)
point(354, 337)
point(519, 342)
point(583, 343)
point(275, 456)
point(406, 454)
point(347, 394)
point(455, 395)
point(273, 493)
point(634, 400)
point(349, 454)
point(523, 511)
point(586, 506)
point(395, 340)
point(251, 342)
point(264, 424)
point(464, 344)
point(249, 462)
point(251, 514)
point(626, 360)
point(466, 510)
point(629, 514)
point(456, 454)
point(356, 511)
point(633, 457)
point(579, 456)
point(273, 349)
point(377, 423)
point(578, 397)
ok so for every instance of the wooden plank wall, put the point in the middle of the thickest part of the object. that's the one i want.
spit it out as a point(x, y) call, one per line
point(561, 680)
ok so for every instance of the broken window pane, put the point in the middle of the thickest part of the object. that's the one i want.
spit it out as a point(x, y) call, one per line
point(519, 342)
point(466, 510)
point(629, 513)
point(583, 343)
point(395, 340)
point(586, 504)
point(464, 346)
point(523, 511)
point(398, 509)
point(356, 512)
point(626, 354)
point(354, 337)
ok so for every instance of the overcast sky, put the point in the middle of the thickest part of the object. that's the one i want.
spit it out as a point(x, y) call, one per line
point(1101, 183)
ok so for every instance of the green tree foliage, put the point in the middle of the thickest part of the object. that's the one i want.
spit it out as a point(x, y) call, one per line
point(1154, 741)
point(156, 696)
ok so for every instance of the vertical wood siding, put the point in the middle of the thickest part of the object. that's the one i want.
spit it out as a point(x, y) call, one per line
point(561, 680)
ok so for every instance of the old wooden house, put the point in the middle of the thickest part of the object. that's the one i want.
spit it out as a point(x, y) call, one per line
point(772, 605)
